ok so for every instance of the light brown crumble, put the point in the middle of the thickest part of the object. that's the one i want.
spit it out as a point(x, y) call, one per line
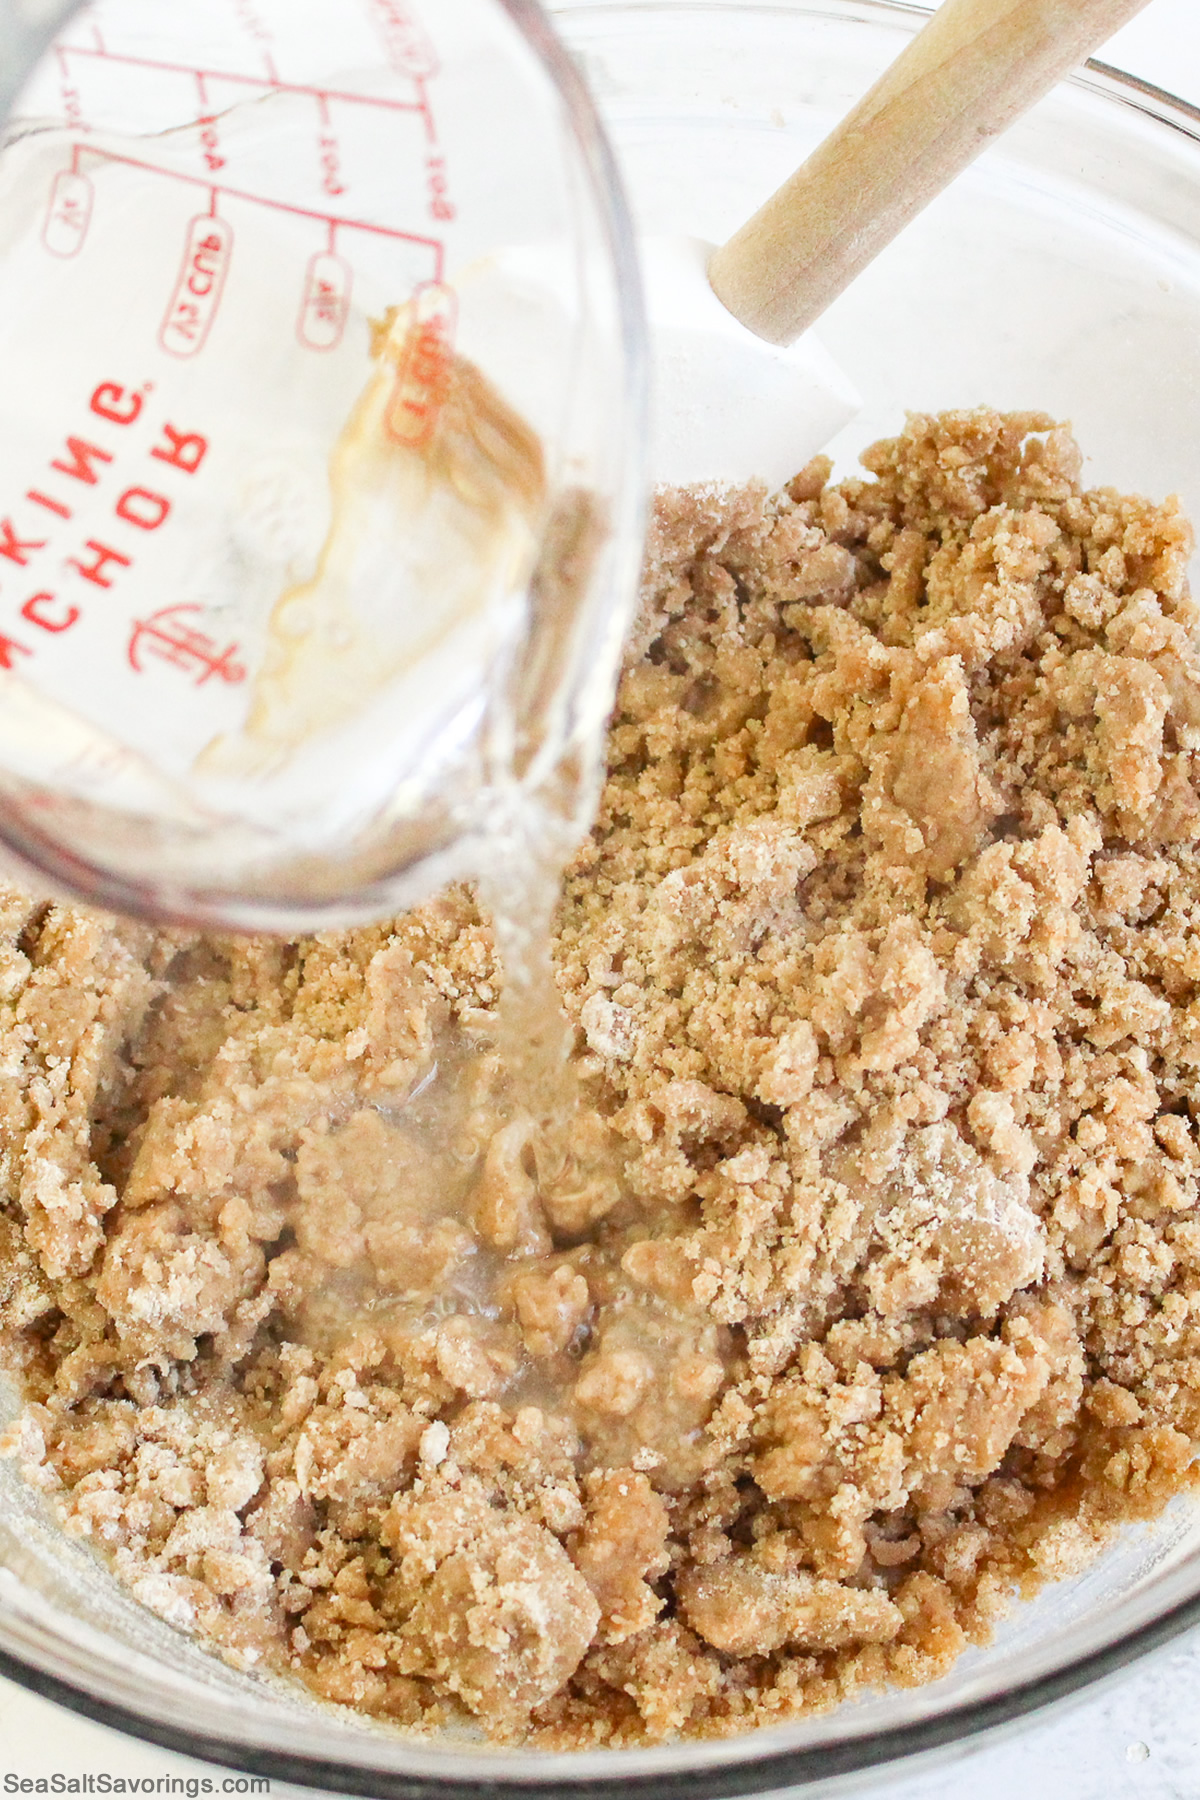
point(884, 959)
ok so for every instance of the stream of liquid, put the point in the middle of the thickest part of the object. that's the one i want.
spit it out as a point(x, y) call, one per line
point(501, 1142)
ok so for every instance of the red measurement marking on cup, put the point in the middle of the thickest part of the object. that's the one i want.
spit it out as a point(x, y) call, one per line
point(329, 153)
point(206, 125)
point(69, 213)
point(405, 39)
point(331, 221)
point(423, 374)
point(328, 278)
point(171, 636)
point(252, 23)
point(71, 99)
point(325, 307)
point(136, 504)
point(197, 296)
point(240, 78)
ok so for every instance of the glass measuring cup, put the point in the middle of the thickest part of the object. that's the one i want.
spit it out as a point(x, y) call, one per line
point(319, 495)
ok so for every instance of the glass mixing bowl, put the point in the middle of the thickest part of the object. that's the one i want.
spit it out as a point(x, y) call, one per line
point(1063, 272)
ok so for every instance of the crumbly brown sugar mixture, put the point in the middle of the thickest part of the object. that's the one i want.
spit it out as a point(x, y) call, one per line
point(869, 1295)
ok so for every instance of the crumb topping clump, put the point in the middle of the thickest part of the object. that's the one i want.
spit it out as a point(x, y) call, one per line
point(868, 1297)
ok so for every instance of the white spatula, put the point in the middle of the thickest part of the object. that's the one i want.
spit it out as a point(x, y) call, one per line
point(740, 391)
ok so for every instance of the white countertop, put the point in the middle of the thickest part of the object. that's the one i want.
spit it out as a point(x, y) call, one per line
point(1138, 1739)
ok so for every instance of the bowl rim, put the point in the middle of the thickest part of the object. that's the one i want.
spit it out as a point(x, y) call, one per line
point(809, 1768)
point(478, 1776)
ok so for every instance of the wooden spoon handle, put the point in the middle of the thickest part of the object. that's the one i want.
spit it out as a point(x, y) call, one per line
point(970, 72)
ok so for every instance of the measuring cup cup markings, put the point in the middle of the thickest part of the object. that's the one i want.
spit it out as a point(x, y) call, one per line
point(206, 126)
point(143, 508)
point(211, 199)
point(301, 212)
point(328, 282)
point(84, 457)
point(251, 22)
point(440, 205)
point(241, 78)
point(101, 557)
point(208, 251)
point(35, 611)
point(123, 406)
point(325, 307)
point(169, 636)
point(69, 213)
point(405, 39)
point(199, 288)
point(72, 99)
point(193, 305)
point(330, 152)
point(423, 373)
point(54, 506)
